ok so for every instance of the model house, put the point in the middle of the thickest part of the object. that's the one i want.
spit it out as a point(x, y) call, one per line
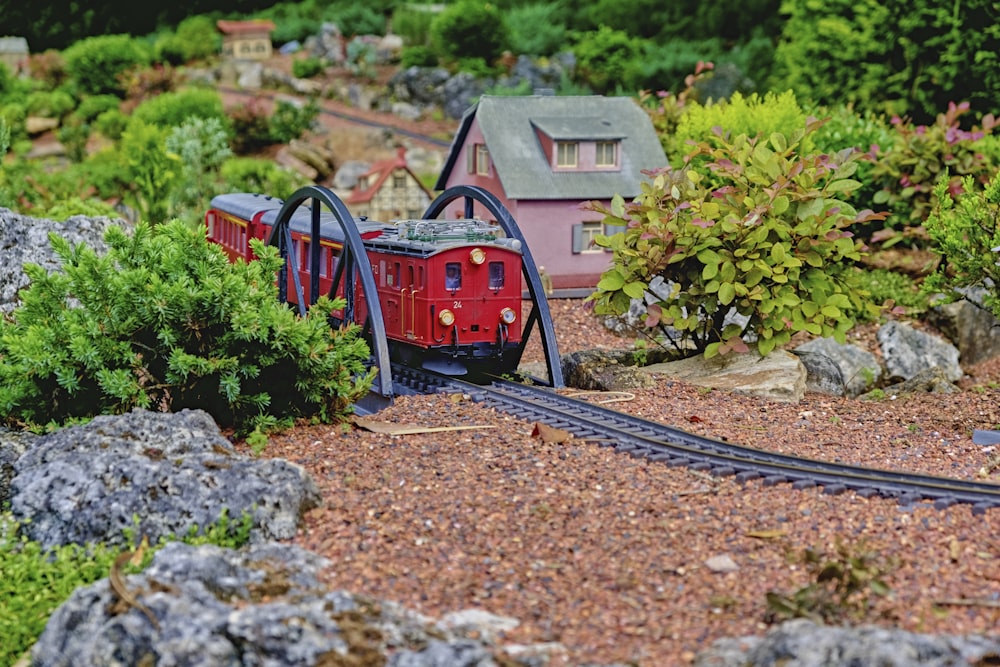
point(543, 156)
point(246, 40)
point(388, 191)
point(14, 54)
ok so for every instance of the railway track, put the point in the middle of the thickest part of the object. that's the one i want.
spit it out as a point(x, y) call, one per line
point(674, 447)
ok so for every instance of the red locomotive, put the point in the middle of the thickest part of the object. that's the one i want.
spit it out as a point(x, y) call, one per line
point(450, 290)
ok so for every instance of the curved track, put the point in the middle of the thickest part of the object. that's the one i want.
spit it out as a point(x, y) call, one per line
point(675, 447)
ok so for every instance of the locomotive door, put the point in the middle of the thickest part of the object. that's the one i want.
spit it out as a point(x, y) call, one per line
point(409, 288)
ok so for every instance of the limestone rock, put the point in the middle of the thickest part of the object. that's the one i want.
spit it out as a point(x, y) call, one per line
point(907, 351)
point(780, 376)
point(974, 330)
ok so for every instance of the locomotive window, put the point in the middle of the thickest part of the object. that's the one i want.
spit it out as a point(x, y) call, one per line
point(381, 271)
point(410, 274)
point(420, 276)
point(452, 275)
point(496, 275)
point(388, 275)
point(399, 275)
point(324, 260)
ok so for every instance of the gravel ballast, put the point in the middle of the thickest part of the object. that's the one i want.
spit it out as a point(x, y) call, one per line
point(617, 559)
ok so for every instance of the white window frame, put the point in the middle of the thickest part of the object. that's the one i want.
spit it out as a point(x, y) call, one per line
point(567, 154)
point(600, 154)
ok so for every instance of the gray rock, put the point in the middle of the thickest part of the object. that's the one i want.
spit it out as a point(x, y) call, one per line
point(261, 605)
point(859, 368)
point(25, 240)
point(972, 328)
point(908, 351)
point(173, 472)
point(348, 174)
point(802, 643)
point(823, 375)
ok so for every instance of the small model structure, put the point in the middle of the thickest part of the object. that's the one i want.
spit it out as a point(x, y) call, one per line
point(388, 191)
point(543, 156)
point(14, 54)
point(246, 40)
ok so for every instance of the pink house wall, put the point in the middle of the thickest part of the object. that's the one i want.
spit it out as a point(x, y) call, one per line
point(547, 225)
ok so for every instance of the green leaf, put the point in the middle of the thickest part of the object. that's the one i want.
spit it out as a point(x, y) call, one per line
point(611, 281)
point(618, 206)
point(636, 290)
point(726, 293)
point(843, 185)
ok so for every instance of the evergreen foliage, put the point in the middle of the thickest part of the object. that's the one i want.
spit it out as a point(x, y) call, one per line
point(163, 321)
point(171, 109)
point(96, 64)
point(470, 29)
point(965, 230)
point(890, 56)
point(606, 60)
point(757, 230)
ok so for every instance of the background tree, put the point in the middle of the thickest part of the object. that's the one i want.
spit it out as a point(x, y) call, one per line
point(470, 29)
point(906, 58)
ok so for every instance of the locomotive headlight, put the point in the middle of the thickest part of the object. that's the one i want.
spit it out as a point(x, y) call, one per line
point(446, 318)
point(477, 256)
point(507, 316)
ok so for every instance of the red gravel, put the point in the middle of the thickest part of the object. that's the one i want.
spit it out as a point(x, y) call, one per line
point(609, 555)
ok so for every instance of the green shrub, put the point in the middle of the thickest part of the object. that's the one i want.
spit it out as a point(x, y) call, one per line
point(202, 145)
point(289, 121)
point(412, 22)
point(111, 123)
point(251, 125)
point(196, 38)
point(93, 106)
point(470, 29)
point(163, 321)
point(606, 60)
point(306, 68)
point(965, 230)
point(50, 104)
point(762, 232)
point(535, 29)
point(418, 56)
point(907, 170)
point(173, 108)
point(900, 57)
point(263, 176)
point(751, 115)
point(96, 63)
point(357, 19)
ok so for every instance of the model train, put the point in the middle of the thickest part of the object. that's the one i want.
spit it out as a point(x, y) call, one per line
point(450, 290)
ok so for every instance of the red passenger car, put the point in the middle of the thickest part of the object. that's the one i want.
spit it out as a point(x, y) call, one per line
point(450, 290)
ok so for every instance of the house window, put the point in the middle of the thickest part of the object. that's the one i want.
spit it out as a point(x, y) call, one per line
point(482, 160)
point(584, 234)
point(607, 154)
point(566, 153)
point(399, 181)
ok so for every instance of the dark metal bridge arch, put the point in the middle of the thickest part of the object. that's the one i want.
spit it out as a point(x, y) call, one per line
point(350, 269)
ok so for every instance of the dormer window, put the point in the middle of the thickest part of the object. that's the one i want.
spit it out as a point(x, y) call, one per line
point(606, 154)
point(566, 154)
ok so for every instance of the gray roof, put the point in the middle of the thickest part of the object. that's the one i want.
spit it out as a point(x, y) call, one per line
point(509, 128)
